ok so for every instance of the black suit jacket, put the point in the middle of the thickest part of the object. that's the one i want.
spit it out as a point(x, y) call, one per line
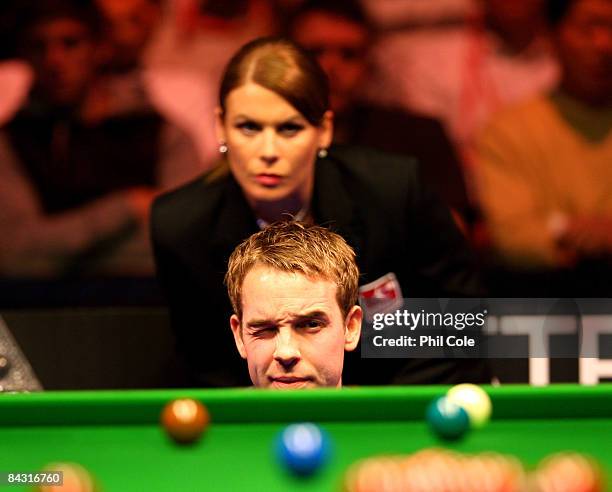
point(375, 201)
point(398, 131)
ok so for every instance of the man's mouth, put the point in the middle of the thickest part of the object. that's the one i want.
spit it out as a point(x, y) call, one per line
point(290, 382)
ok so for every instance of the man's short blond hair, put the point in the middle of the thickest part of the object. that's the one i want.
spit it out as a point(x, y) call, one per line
point(296, 247)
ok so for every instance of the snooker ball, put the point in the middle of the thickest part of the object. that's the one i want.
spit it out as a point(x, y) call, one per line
point(475, 402)
point(5, 366)
point(448, 420)
point(75, 478)
point(302, 448)
point(185, 420)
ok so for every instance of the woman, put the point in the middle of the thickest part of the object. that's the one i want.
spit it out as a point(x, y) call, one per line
point(274, 128)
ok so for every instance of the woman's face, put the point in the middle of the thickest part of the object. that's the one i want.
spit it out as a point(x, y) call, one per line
point(271, 147)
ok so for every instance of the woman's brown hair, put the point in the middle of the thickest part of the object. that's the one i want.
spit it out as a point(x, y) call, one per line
point(283, 67)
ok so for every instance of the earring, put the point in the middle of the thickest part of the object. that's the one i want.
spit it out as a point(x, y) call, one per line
point(322, 153)
point(223, 148)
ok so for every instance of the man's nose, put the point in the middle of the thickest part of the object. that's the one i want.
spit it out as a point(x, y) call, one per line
point(602, 41)
point(269, 150)
point(329, 61)
point(53, 56)
point(287, 351)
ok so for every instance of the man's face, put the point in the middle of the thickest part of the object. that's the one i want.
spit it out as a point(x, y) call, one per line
point(62, 53)
point(131, 24)
point(339, 46)
point(514, 14)
point(584, 43)
point(292, 332)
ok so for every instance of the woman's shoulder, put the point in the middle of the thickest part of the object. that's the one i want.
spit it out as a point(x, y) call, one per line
point(191, 202)
point(205, 186)
point(378, 168)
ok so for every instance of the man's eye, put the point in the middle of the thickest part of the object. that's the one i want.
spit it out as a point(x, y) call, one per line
point(289, 129)
point(71, 42)
point(310, 324)
point(264, 332)
point(248, 127)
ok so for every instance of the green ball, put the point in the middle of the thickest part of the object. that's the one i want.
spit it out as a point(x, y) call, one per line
point(447, 420)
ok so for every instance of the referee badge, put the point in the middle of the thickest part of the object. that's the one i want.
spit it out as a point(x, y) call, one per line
point(383, 295)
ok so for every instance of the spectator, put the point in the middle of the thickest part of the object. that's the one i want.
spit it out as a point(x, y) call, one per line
point(545, 173)
point(338, 35)
point(75, 194)
point(131, 82)
point(463, 74)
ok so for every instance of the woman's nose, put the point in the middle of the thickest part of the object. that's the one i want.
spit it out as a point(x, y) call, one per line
point(269, 152)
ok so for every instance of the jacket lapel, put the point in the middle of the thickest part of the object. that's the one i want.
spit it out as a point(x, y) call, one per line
point(334, 207)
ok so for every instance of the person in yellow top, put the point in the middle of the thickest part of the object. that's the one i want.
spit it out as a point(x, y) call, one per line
point(545, 166)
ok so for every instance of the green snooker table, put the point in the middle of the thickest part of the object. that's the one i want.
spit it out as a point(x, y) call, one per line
point(116, 435)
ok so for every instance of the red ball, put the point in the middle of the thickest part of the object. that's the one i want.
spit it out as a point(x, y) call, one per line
point(185, 420)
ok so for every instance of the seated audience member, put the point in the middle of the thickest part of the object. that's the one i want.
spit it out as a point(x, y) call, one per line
point(463, 74)
point(132, 81)
point(545, 164)
point(339, 36)
point(130, 26)
point(293, 288)
point(275, 129)
point(75, 194)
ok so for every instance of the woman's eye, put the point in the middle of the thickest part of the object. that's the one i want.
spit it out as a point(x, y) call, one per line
point(248, 127)
point(290, 129)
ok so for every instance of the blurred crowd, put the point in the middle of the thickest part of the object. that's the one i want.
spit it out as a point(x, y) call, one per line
point(507, 105)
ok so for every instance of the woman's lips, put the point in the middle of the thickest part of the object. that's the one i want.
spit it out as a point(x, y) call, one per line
point(269, 180)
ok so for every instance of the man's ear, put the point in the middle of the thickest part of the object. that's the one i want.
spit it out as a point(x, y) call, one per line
point(237, 332)
point(352, 328)
point(219, 126)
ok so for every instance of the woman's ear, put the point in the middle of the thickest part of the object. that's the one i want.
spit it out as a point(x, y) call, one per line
point(219, 126)
point(327, 130)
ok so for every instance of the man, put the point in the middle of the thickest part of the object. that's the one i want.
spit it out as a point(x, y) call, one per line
point(339, 35)
point(545, 164)
point(75, 192)
point(133, 78)
point(131, 25)
point(293, 289)
point(463, 73)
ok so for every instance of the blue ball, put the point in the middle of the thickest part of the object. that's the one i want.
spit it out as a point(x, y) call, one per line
point(447, 419)
point(302, 448)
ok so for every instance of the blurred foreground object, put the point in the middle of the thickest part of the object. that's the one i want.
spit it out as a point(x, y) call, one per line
point(15, 371)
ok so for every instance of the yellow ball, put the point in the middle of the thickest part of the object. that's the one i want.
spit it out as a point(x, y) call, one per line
point(474, 400)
